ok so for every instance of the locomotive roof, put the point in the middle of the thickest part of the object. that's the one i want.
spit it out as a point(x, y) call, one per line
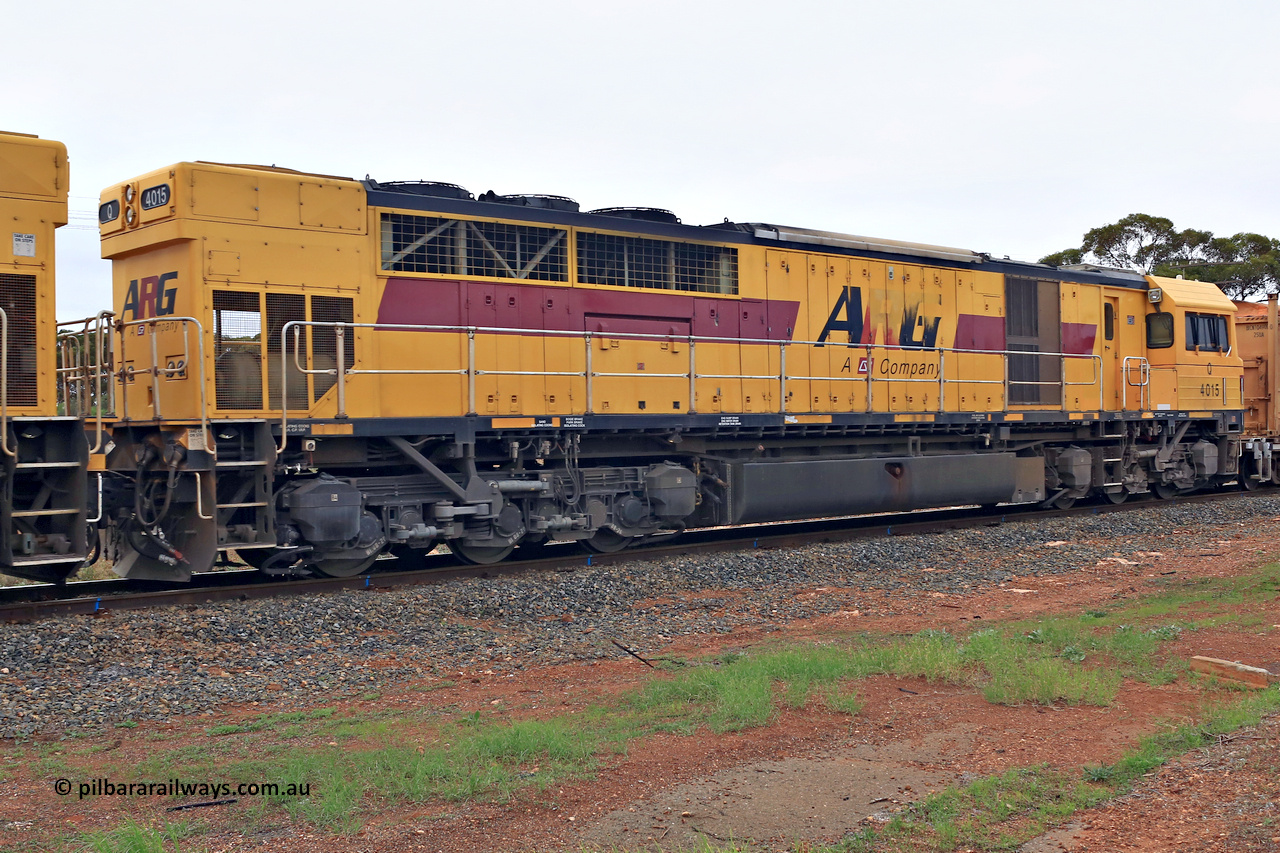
point(423, 196)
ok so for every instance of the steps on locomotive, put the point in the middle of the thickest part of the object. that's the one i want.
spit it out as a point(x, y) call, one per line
point(44, 513)
point(243, 485)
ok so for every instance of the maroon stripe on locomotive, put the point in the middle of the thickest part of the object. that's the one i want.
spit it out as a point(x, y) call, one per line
point(978, 332)
point(1078, 338)
point(523, 307)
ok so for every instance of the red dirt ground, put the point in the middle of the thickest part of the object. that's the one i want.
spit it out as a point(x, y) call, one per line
point(812, 776)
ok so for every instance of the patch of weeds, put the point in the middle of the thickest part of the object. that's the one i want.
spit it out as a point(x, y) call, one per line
point(469, 758)
point(1073, 654)
point(843, 702)
point(218, 731)
point(1049, 680)
point(1002, 812)
point(428, 688)
point(127, 724)
point(931, 654)
point(1165, 632)
point(132, 837)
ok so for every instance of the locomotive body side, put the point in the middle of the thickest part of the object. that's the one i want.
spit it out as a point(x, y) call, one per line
point(42, 456)
point(316, 370)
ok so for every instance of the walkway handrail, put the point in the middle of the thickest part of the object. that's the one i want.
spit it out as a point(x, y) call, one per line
point(340, 371)
point(156, 371)
point(85, 374)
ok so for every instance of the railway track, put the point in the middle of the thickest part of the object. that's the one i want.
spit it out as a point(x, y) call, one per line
point(38, 601)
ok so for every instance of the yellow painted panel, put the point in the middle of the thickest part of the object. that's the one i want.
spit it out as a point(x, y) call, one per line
point(1203, 389)
point(1196, 295)
point(913, 419)
point(808, 419)
point(223, 263)
point(225, 195)
point(1013, 417)
point(330, 205)
point(32, 167)
point(419, 395)
point(332, 429)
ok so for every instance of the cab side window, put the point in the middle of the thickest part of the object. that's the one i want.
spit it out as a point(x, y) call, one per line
point(1207, 332)
point(1159, 331)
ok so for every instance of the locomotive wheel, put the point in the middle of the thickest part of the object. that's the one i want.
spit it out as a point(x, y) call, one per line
point(481, 555)
point(605, 541)
point(344, 568)
point(1165, 491)
point(1064, 502)
point(1116, 497)
point(1245, 478)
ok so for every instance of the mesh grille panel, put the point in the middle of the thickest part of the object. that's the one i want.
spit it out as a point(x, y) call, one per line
point(656, 264)
point(324, 344)
point(1023, 298)
point(237, 329)
point(461, 247)
point(18, 298)
point(283, 308)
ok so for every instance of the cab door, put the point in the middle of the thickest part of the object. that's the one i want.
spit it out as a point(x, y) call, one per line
point(1125, 371)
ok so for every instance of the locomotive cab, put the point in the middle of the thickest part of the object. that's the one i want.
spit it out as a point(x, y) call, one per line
point(1191, 348)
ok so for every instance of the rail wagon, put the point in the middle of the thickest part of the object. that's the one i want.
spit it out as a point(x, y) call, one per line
point(313, 370)
point(43, 454)
point(1259, 347)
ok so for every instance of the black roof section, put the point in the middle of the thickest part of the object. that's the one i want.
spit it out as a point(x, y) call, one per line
point(561, 211)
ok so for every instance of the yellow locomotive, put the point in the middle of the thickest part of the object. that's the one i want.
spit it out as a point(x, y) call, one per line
point(43, 455)
point(312, 370)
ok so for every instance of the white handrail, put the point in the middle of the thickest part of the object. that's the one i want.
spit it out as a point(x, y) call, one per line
point(157, 371)
point(340, 372)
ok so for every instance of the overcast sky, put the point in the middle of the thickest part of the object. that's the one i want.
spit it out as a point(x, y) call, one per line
point(1010, 128)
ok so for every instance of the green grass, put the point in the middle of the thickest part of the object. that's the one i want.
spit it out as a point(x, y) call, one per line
point(1046, 666)
point(1005, 811)
point(132, 837)
point(473, 757)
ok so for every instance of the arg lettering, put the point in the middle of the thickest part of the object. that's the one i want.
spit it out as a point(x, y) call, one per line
point(153, 297)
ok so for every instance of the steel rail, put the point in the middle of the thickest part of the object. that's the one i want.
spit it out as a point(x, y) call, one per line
point(41, 601)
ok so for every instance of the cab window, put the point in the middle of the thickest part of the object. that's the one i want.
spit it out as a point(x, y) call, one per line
point(1159, 331)
point(1207, 332)
point(1108, 321)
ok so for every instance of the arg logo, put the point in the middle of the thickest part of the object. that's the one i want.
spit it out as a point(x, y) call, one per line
point(153, 296)
point(847, 316)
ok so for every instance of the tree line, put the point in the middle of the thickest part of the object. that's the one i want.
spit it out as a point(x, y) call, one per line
point(1243, 265)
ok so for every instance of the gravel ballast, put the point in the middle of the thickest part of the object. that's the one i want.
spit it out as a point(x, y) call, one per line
point(73, 673)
